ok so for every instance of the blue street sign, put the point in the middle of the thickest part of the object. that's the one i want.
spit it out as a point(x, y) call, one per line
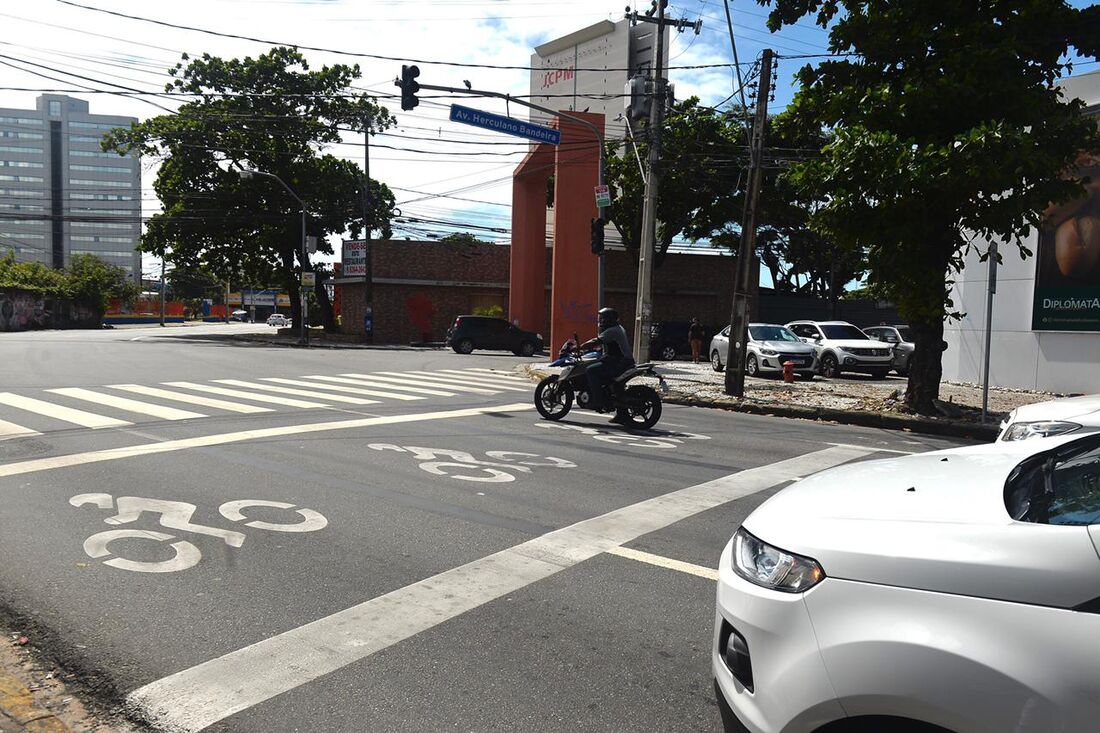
point(507, 125)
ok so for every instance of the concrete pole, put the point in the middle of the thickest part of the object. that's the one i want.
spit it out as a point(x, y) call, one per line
point(991, 288)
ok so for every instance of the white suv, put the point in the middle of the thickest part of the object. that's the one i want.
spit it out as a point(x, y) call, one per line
point(841, 347)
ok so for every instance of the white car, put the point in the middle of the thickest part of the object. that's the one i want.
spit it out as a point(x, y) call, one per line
point(949, 592)
point(278, 319)
point(769, 345)
point(1077, 415)
point(841, 347)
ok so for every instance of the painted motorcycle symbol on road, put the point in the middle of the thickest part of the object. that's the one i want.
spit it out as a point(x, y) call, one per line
point(177, 515)
point(463, 466)
point(656, 439)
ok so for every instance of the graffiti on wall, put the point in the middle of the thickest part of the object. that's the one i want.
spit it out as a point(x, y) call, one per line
point(23, 311)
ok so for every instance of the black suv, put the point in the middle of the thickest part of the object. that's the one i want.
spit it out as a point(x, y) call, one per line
point(484, 332)
point(669, 339)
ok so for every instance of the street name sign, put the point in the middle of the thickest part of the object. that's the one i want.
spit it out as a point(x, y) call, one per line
point(507, 125)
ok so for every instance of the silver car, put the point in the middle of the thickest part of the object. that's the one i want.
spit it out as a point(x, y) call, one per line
point(902, 342)
point(769, 346)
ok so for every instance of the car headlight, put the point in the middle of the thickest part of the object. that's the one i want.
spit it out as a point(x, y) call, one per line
point(769, 567)
point(1041, 429)
point(769, 352)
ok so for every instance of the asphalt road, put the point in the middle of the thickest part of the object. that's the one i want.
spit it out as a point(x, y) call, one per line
point(439, 559)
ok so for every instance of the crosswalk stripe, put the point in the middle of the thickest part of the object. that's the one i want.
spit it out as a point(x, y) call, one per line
point(11, 430)
point(270, 399)
point(126, 404)
point(191, 399)
point(505, 376)
point(477, 381)
point(299, 392)
point(417, 380)
point(59, 412)
point(361, 388)
point(367, 383)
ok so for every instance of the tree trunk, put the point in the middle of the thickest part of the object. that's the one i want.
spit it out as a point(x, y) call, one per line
point(328, 320)
point(925, 366)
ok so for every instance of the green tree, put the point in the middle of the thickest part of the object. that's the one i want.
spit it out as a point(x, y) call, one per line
point(33, 276)
point(270, 113)
point(93, 282)
point(188, 282)
point(947, 126)
point(460, 238)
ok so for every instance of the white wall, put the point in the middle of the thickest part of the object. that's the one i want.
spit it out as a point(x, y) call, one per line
point(1020, 357)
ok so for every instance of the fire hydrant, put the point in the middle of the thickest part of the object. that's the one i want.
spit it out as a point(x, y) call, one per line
point(788, 371)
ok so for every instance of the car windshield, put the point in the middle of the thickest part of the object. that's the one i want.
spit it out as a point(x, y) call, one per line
point(771, 333)
point(1057, 487)
point(903, 331)
point(844, 332)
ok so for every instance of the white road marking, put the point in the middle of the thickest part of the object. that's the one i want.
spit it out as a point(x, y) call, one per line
point(11, 430)
point(190, 399)
point(363, 388)
point(365, 382)
point(482, 381)
point(124, 403)
point(875, 449)
point(170, 446)
point(58, 412)
point(270, 399)
point(497, 373)
point(483, 378)
point(191, 700)
point(298, 392)
point(665, 562)
point(419, 382)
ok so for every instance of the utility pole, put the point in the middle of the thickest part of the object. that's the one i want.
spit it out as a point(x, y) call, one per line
point(368, 281)
point(647, 247)
point(991, 288)
point(162, 288)
point(739, 315)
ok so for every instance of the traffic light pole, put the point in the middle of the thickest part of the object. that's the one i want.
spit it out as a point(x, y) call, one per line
point(523, 103)
point(739, 315)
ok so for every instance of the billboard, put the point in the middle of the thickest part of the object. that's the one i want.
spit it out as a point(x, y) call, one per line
point(1067, 275)
point(354, 258)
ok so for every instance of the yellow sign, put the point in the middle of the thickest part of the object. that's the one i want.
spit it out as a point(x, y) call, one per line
point(234, 299)
point(282, 300)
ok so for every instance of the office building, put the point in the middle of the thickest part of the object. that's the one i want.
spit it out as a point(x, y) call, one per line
point(60, 194)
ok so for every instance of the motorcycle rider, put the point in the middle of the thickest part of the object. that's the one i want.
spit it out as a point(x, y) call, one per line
point(616, 359)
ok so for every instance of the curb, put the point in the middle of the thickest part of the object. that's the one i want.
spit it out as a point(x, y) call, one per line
point(863, 418)
point(18, 705)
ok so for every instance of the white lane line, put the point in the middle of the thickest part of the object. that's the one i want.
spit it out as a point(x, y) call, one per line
point(875, 449)
point(190, 700)
point(495, 372)
point(359, 386)
point(483, 378)
point(58, 412)
point(460, 378)
point(169, 446)
point(124, 403)
point(329, 397)
point(190, 399)
point(269, 399)
point(336, 387)
point(11, 430)
point(665, 562)
point(418, 382)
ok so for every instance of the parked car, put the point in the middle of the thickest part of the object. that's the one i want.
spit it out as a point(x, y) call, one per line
point(769, 345)
point(278, 319)
point(841, 347)
point(241, 316)
point(899, 337)
point(1077, 415)
point(493, 334)
point(948, 592)
point(669, 339)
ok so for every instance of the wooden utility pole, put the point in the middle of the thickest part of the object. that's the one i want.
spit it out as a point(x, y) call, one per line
point(739, 315)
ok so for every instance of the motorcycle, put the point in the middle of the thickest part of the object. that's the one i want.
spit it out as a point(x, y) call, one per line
point(637, 406)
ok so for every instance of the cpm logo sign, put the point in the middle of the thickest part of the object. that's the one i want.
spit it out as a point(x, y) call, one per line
point(554, 76)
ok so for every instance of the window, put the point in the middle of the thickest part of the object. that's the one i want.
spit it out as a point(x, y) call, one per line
point(112, 169)
point(95, 154)
point(101, 225)
point(21, 235)
point(903, 332)
point(98, 125)
point(99, 196)
point(55, 108)
point(20, 121)
point(19, 164)
point(21, 179)
point(104, 253)
point(97, 238)
point(844, 332)
point(106, 184)
point(21, 207)
point(12, 134)
point(1060, 486)
point(84, 139)
point(25, 193)
point(18, 149)
point(771, 333)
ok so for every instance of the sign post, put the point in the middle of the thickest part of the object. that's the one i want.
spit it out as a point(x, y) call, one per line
point(603, 196)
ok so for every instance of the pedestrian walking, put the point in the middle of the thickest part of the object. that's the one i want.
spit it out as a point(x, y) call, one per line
point(695, 338)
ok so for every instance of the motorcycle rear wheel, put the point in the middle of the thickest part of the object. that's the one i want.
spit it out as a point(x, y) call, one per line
point(553, 400)
point(640, 408)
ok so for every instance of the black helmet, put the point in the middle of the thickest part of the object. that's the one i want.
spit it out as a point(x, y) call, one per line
point(607, 317)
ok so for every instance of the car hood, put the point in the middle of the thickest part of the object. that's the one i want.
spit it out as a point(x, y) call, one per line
point(1065, 409)
point(935, 521)
point(787, 347)
point(856, 344)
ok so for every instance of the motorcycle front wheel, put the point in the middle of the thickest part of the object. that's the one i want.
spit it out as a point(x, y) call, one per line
point(640, 407)
point(553, 400)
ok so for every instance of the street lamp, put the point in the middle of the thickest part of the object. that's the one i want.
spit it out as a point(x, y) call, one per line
point(247, 175)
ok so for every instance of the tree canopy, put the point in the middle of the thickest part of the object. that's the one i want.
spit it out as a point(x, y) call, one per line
point(946, 125)
point(271, 113)
point(88, 280)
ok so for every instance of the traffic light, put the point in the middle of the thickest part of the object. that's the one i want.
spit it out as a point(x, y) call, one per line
point(597, 236)
point(409, 87)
